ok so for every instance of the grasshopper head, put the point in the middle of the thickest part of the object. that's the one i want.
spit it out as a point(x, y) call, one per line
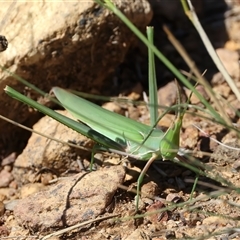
point(170, 143)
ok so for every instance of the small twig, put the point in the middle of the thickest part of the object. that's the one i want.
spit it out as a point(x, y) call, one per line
point(209, 185)
point(60, 232)
point(215, 140)
point(200, 78)
point(193, 17)
point(42, 134)
point(19, 237)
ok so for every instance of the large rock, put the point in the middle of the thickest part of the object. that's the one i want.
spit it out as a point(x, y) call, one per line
point(68, 44)
point(75, 199)
point(43, 153)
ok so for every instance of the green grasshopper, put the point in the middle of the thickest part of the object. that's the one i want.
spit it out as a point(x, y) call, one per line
point(113, 131)
point(117, 133)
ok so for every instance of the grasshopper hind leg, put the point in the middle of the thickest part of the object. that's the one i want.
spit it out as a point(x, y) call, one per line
point(141, 176)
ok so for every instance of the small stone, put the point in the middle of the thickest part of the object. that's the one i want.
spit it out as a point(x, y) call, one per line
point(46, 178)
point(4, 230)
point(139, 235)
point(236, 164)
point(167, 95)
point(230, 60)
point(133, 173)
point(3, 43)
point(171, 224)
point(10, 205)
point(2, 208)
point(170, 234)
point(215, 220)
point(189, 137)
point(8, 192)
point(2, 197)
point(7, 168)
point(113, 107)
point(141, 203)
point(31, 188)
point(155, 215)
point(9, 159)
point(133, 113)
point(5, 178)
point(13, 184)
point(136, 92)
point(223, 90)
point(173, 197)
point(232, 45)
point(149, 190)
point(194, 99)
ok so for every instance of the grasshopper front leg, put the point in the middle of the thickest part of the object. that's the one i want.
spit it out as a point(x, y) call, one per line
point(168, 146)
point(141, 176)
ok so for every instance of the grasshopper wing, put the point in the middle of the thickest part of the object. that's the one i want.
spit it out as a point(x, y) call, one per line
point(120, 129)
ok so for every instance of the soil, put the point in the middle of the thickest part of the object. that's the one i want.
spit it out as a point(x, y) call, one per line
point(57, 197)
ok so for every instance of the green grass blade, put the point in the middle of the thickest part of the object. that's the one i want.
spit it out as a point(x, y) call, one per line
point(189, 11)
point(108, 4)
point(152, 81)
point(199, 77)
point(81, 128)
point(23, 81)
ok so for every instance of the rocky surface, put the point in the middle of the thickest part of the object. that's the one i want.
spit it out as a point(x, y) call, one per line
point(72, 200)
point(42, 152)
point(34, 199)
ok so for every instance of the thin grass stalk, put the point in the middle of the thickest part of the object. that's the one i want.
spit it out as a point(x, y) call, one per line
point(190, 12)
point(109, 5)
point(152, 80)
point(178, 46)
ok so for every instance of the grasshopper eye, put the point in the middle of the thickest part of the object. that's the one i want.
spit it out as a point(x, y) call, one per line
point(3, 43)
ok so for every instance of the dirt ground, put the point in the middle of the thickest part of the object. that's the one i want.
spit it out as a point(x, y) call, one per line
point(40, 195)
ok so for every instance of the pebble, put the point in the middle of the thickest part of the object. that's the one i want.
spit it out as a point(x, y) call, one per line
point(5, 177)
